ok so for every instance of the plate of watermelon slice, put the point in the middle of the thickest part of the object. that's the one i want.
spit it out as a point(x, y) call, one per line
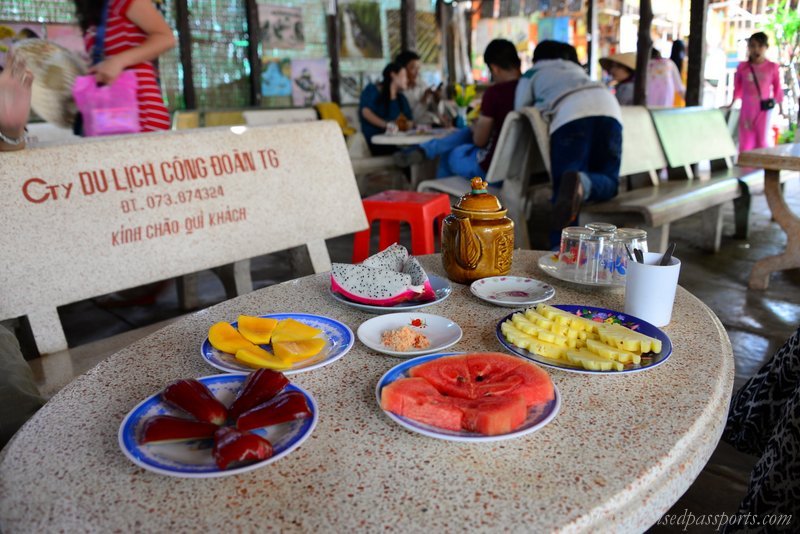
point(469, 397)
point(390, 281)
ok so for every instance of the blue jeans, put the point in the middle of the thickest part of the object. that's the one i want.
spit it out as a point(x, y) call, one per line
point(592, 146)
point(457, 155)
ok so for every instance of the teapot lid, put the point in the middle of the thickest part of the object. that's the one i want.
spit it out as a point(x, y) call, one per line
point(479, 199)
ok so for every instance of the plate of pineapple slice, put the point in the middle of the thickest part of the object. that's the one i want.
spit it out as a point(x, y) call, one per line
point(584, 339)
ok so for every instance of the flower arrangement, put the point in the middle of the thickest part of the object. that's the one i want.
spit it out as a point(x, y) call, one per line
point(464, 95)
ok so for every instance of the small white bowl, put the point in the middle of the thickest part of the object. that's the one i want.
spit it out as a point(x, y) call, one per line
point(512, 291)
point(441, 331)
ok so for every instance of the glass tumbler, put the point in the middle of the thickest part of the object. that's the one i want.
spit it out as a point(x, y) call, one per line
point(568, 251)
point(595, 259)
point(633, 238)
point(601, 227)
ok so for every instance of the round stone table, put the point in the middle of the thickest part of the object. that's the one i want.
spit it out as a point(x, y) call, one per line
point(621, 451)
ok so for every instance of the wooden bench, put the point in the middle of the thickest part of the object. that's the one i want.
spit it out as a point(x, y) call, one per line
point(646, 150)
point(125, 211)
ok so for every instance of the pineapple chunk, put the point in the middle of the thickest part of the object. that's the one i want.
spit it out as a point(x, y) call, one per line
point(521, 323)
point(538, 319)
point(522, 340)
point(612, 353)
point(592, 362)
point(566, 318)
point(627, 339)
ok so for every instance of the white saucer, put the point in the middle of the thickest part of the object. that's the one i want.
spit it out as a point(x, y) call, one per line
point(511, 291)
point(441, 331)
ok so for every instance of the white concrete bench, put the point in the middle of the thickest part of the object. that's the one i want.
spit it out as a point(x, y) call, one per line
point(111, 214)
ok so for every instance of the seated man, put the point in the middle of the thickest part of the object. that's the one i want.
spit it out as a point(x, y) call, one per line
point(585, 124)
point(468, 152)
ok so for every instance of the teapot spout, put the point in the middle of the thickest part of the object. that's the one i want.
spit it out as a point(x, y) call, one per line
point(467, 245)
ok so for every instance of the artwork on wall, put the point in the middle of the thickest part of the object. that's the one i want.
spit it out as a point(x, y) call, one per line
point(276, 78)
point(360, 29)
point(428, 41)
point(281, 27)
point(310, 82)
point(350, 87)
point(556, 28)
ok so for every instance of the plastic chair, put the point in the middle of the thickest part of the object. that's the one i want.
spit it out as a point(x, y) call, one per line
point(419, 210)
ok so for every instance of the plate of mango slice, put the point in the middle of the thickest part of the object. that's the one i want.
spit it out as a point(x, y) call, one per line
point(286, 342)
point(584, 339)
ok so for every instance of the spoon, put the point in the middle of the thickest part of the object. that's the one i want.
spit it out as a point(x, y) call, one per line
point(628, 250)
point(639, 256)
point(667, 255)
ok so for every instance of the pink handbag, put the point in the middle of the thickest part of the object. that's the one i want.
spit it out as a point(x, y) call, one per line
point(108, 109)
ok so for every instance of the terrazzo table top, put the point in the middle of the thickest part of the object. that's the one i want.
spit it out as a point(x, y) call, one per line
point(621, 451)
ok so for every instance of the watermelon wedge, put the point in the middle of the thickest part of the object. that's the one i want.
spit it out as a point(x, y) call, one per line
point(489, 393)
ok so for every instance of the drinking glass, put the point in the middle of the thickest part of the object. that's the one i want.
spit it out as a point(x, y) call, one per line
point(633, 238)
point(568, 251)
point(601, 227)
point(595, 258)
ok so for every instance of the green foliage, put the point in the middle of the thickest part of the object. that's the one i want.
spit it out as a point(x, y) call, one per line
point(784, 23)
point(789, 136)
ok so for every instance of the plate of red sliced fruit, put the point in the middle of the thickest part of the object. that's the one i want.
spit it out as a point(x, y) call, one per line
point(469, 397)
point(218, 425)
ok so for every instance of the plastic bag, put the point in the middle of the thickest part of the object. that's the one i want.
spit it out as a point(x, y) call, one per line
point(108, 109)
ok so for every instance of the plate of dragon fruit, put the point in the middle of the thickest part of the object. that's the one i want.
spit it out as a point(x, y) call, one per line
point(390, 281)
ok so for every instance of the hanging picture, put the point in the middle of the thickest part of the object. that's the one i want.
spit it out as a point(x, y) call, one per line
point(350, 87)
point(281, 27)
point(276, 78)
point(310, 82)
point(360, 30)
point(428, 42)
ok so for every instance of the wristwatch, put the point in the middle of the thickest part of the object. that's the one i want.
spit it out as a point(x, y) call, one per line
point(13, 141)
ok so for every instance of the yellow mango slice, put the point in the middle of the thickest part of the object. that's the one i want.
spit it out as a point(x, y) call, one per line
point(592, 362)
point(257, 330)
point(261, 358)
point(612, 353)
point(224, 337)
point(295, 351)
point(291, 330)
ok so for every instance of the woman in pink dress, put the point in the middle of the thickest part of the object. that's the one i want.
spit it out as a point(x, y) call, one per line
point(758, 83)
point(136, 34)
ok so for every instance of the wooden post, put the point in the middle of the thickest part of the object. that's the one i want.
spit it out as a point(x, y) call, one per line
point(254, 37)
point(592, 38)
point(185, 48)
point(643, 47)
point(697, 52)
point(332, 24)
point(448, 39)
point(408, 25)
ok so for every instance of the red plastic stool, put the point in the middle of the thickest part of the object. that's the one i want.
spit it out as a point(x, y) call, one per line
point(419, 210)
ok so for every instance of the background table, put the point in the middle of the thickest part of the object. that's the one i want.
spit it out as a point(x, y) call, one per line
point(774, 160)
point(618, 455)
point(424, 170)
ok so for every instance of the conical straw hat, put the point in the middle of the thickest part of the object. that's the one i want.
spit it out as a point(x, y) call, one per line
point(627, 59)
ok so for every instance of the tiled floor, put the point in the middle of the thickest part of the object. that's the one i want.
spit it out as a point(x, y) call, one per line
point(757, 323)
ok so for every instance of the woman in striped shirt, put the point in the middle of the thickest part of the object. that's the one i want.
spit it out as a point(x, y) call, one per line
point(136, 34)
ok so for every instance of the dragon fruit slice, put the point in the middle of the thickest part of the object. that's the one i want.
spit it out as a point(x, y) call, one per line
point(419, 278)
point(378, 287)
point(391, 258)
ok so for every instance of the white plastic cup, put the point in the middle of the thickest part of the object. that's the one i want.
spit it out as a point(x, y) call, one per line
point(650, 288)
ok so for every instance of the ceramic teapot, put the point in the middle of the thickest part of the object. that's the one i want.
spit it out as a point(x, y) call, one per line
point(477, 237)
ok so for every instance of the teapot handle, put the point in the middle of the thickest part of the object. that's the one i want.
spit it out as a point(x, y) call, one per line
point(467, 245)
